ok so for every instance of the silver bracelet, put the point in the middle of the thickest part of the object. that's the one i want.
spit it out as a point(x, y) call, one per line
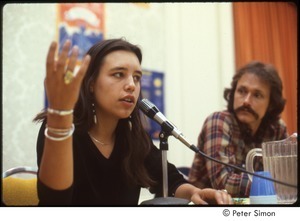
point(60, 112)
point(61, 132)
point(69, 134)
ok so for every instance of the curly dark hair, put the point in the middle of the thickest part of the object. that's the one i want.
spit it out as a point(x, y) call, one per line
point(269, 74)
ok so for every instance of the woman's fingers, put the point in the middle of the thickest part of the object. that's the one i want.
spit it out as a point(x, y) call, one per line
point(223, 197)
point(73, 58)
point(69, 73)
point(197, 200)
point(59, 67)
point(83, 68)
point(211, 196)
point(50, 62)
point(62, 58)
point(62, 85)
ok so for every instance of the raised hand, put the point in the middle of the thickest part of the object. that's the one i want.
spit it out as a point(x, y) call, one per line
point(61, 83)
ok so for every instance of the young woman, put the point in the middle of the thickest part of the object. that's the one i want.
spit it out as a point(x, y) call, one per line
point(92, 148)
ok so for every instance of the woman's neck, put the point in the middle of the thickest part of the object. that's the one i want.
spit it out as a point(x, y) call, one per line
point(104, 130)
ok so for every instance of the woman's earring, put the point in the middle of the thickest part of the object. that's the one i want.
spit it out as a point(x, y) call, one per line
point(94, 113)
point(130, 123)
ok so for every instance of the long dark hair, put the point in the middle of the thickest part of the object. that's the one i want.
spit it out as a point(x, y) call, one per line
point(136, 142)
point(268, 74)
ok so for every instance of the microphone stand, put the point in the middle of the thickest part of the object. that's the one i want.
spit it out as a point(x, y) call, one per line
point(165, 200)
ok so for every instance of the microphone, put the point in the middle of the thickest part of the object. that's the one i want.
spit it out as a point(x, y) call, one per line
point(150, 110)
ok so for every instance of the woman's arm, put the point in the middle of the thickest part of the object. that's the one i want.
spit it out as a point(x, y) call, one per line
point(56, 168)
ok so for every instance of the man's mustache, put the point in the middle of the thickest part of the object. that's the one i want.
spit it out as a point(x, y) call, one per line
point(248, 109)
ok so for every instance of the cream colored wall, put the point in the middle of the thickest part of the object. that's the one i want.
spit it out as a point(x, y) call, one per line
point(192, 43)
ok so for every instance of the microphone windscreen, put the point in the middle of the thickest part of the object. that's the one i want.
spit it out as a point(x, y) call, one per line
point(148, 108)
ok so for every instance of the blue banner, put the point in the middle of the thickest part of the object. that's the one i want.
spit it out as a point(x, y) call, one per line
point(153, 90)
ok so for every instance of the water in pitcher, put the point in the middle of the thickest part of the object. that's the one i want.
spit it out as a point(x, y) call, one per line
point(280, 159)
point(283, 168)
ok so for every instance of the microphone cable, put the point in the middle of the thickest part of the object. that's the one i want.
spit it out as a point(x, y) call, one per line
point(196, 150)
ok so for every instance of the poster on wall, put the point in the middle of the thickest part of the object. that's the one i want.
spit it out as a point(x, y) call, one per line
point(153, 90)
point(82, 23)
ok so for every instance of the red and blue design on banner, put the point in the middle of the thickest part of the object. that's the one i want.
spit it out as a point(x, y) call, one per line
point(82, 23)
point(153, 90)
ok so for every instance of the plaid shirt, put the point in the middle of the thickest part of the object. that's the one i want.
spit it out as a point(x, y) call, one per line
point(220, 138)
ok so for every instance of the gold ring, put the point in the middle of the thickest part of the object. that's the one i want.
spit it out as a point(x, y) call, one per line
point(68, 77)
point(224, 190)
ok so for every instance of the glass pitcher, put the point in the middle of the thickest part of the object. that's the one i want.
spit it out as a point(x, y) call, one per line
point(280, 159)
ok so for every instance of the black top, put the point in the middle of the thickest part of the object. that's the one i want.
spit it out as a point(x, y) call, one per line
point(98, 180)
